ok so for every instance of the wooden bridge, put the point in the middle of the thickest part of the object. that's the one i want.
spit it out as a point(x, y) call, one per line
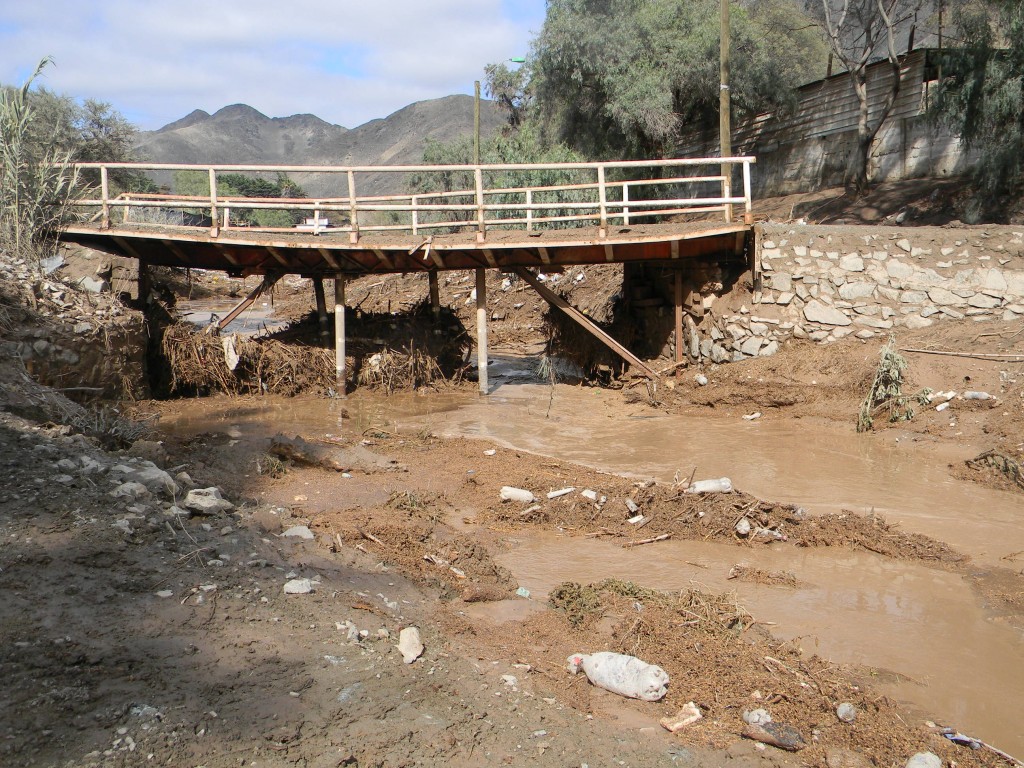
point(513, 218)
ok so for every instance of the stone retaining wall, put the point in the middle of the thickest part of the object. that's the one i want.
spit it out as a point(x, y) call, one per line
point(824, 283)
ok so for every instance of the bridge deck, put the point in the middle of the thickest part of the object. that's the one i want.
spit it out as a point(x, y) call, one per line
point(241, 252)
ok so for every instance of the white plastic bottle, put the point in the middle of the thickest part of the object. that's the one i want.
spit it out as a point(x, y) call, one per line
point(716, 485)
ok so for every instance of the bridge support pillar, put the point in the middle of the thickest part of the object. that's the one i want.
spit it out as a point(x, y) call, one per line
point(679, 315)
point(340, 373)
point(321, 310)
point(435, 294)
point(481, 329)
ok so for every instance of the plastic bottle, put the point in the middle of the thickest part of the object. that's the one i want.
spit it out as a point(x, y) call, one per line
point(717, 485)
point(977, 396)
point(621, 674)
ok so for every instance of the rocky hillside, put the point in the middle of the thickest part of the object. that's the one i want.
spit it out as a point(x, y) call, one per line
point(240, 134)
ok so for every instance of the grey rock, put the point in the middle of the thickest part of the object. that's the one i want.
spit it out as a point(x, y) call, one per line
point(951, 313)
point(904, 245)
point(298, 587)
point(207, 501)
point(92, 285)
point(846, 712)
point(817, 312)
point(899, 269)
point(299, 532)
point(719, 354)
point(784, 298)
point(924, 760)
point(751, 346)
point(769, 349)
point(858, 290)
point(942, 297)
point(130, 490)
point(982, 301)
point(865, 334)
point(913, 322)
point(782, 281)
point(913, 297)
point(872, 322)
point(852, 263)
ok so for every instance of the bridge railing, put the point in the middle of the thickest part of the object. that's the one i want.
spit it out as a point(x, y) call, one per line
point(447, 198)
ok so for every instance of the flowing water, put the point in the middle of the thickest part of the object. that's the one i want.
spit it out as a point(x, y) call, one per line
point(928, 626)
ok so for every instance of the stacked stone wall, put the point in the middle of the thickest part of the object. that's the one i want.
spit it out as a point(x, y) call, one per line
point(825, 283)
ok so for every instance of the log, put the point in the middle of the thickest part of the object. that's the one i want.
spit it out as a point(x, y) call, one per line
point(662, 537)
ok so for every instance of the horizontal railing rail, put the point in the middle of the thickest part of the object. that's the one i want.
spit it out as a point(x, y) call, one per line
point(486, 197)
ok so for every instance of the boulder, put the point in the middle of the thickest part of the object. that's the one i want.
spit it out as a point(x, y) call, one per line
point(816, 312)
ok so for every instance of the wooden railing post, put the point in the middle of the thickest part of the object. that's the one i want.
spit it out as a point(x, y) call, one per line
point(602, 193)
point(127, 209)
point(727, 190)
point(625, 203)
point(748, 214)
point(105, 198)
point(529, 210)
point(353, 236)
point(415, 214)
point(227, 217)
point(214, 230)
point(481, 234)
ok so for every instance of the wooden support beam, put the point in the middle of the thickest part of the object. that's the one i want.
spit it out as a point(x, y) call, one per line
point(675, 249)
point(227, 254)
point(128, 248)
point(329, 258)
point(585, 322)
point(277, 256)
point(609, 253)
point(244, 304)
point(321, 310)
point(340, 373)
point(489, 255)
point(481, 329)
point(679, 315)
point(435, 294)
point(383, 258)
point(544, 255)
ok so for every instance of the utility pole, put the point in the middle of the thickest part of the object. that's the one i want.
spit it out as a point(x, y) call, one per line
point(476, 122)
point(724, 122)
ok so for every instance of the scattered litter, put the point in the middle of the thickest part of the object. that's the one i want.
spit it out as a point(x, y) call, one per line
point(743, 527)
point(490, 452)
point(942, 406)
point(716, 485)
point(410, 645)
point(523, 592)
point(165, 593)
point(621, 674)
point(561, 492)
point(752, 416)
point(508, 493)
point(632, 506)
point(589, 494)
point(977, 396)
point(636, 520)
point(776, 735)
point(688, 715)
point(298, 587)
point(510, 680)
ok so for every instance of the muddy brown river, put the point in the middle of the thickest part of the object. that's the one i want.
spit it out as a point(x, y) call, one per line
point(927, 627)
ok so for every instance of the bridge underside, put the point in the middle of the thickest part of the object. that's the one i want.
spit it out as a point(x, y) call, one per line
point(239, 252)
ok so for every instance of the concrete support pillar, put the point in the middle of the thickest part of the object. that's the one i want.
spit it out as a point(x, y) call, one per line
point(481, 328)
point(340, 372)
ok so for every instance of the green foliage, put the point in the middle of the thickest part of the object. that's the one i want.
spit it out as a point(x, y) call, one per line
point(37, 179)
point(982, 97)
point(516, 146)
point(886, 390)
point(622, 79)
point(197, 183)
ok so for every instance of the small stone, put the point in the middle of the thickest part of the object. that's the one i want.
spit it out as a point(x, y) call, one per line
point(924, 760)
point(165, 593)
point(756, 717)
point(409, 644)
point(852, 263)
point(904, 244)
point(298, 587)
point(816, 312)
point(779, 735)
point(299, 532)
point(207, 501)
point(846, 712)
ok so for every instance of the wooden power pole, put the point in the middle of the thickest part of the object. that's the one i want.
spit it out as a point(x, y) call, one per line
point(476, 122)
point(724, 102)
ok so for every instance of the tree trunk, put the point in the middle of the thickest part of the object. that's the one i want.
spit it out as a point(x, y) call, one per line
point(857, 167)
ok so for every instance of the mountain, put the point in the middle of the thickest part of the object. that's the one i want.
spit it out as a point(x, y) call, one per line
point(239, 134)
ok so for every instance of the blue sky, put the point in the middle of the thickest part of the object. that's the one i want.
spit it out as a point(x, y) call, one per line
point(347, 61)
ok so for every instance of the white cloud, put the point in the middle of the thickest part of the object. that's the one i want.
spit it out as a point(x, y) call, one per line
point(347, 62)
